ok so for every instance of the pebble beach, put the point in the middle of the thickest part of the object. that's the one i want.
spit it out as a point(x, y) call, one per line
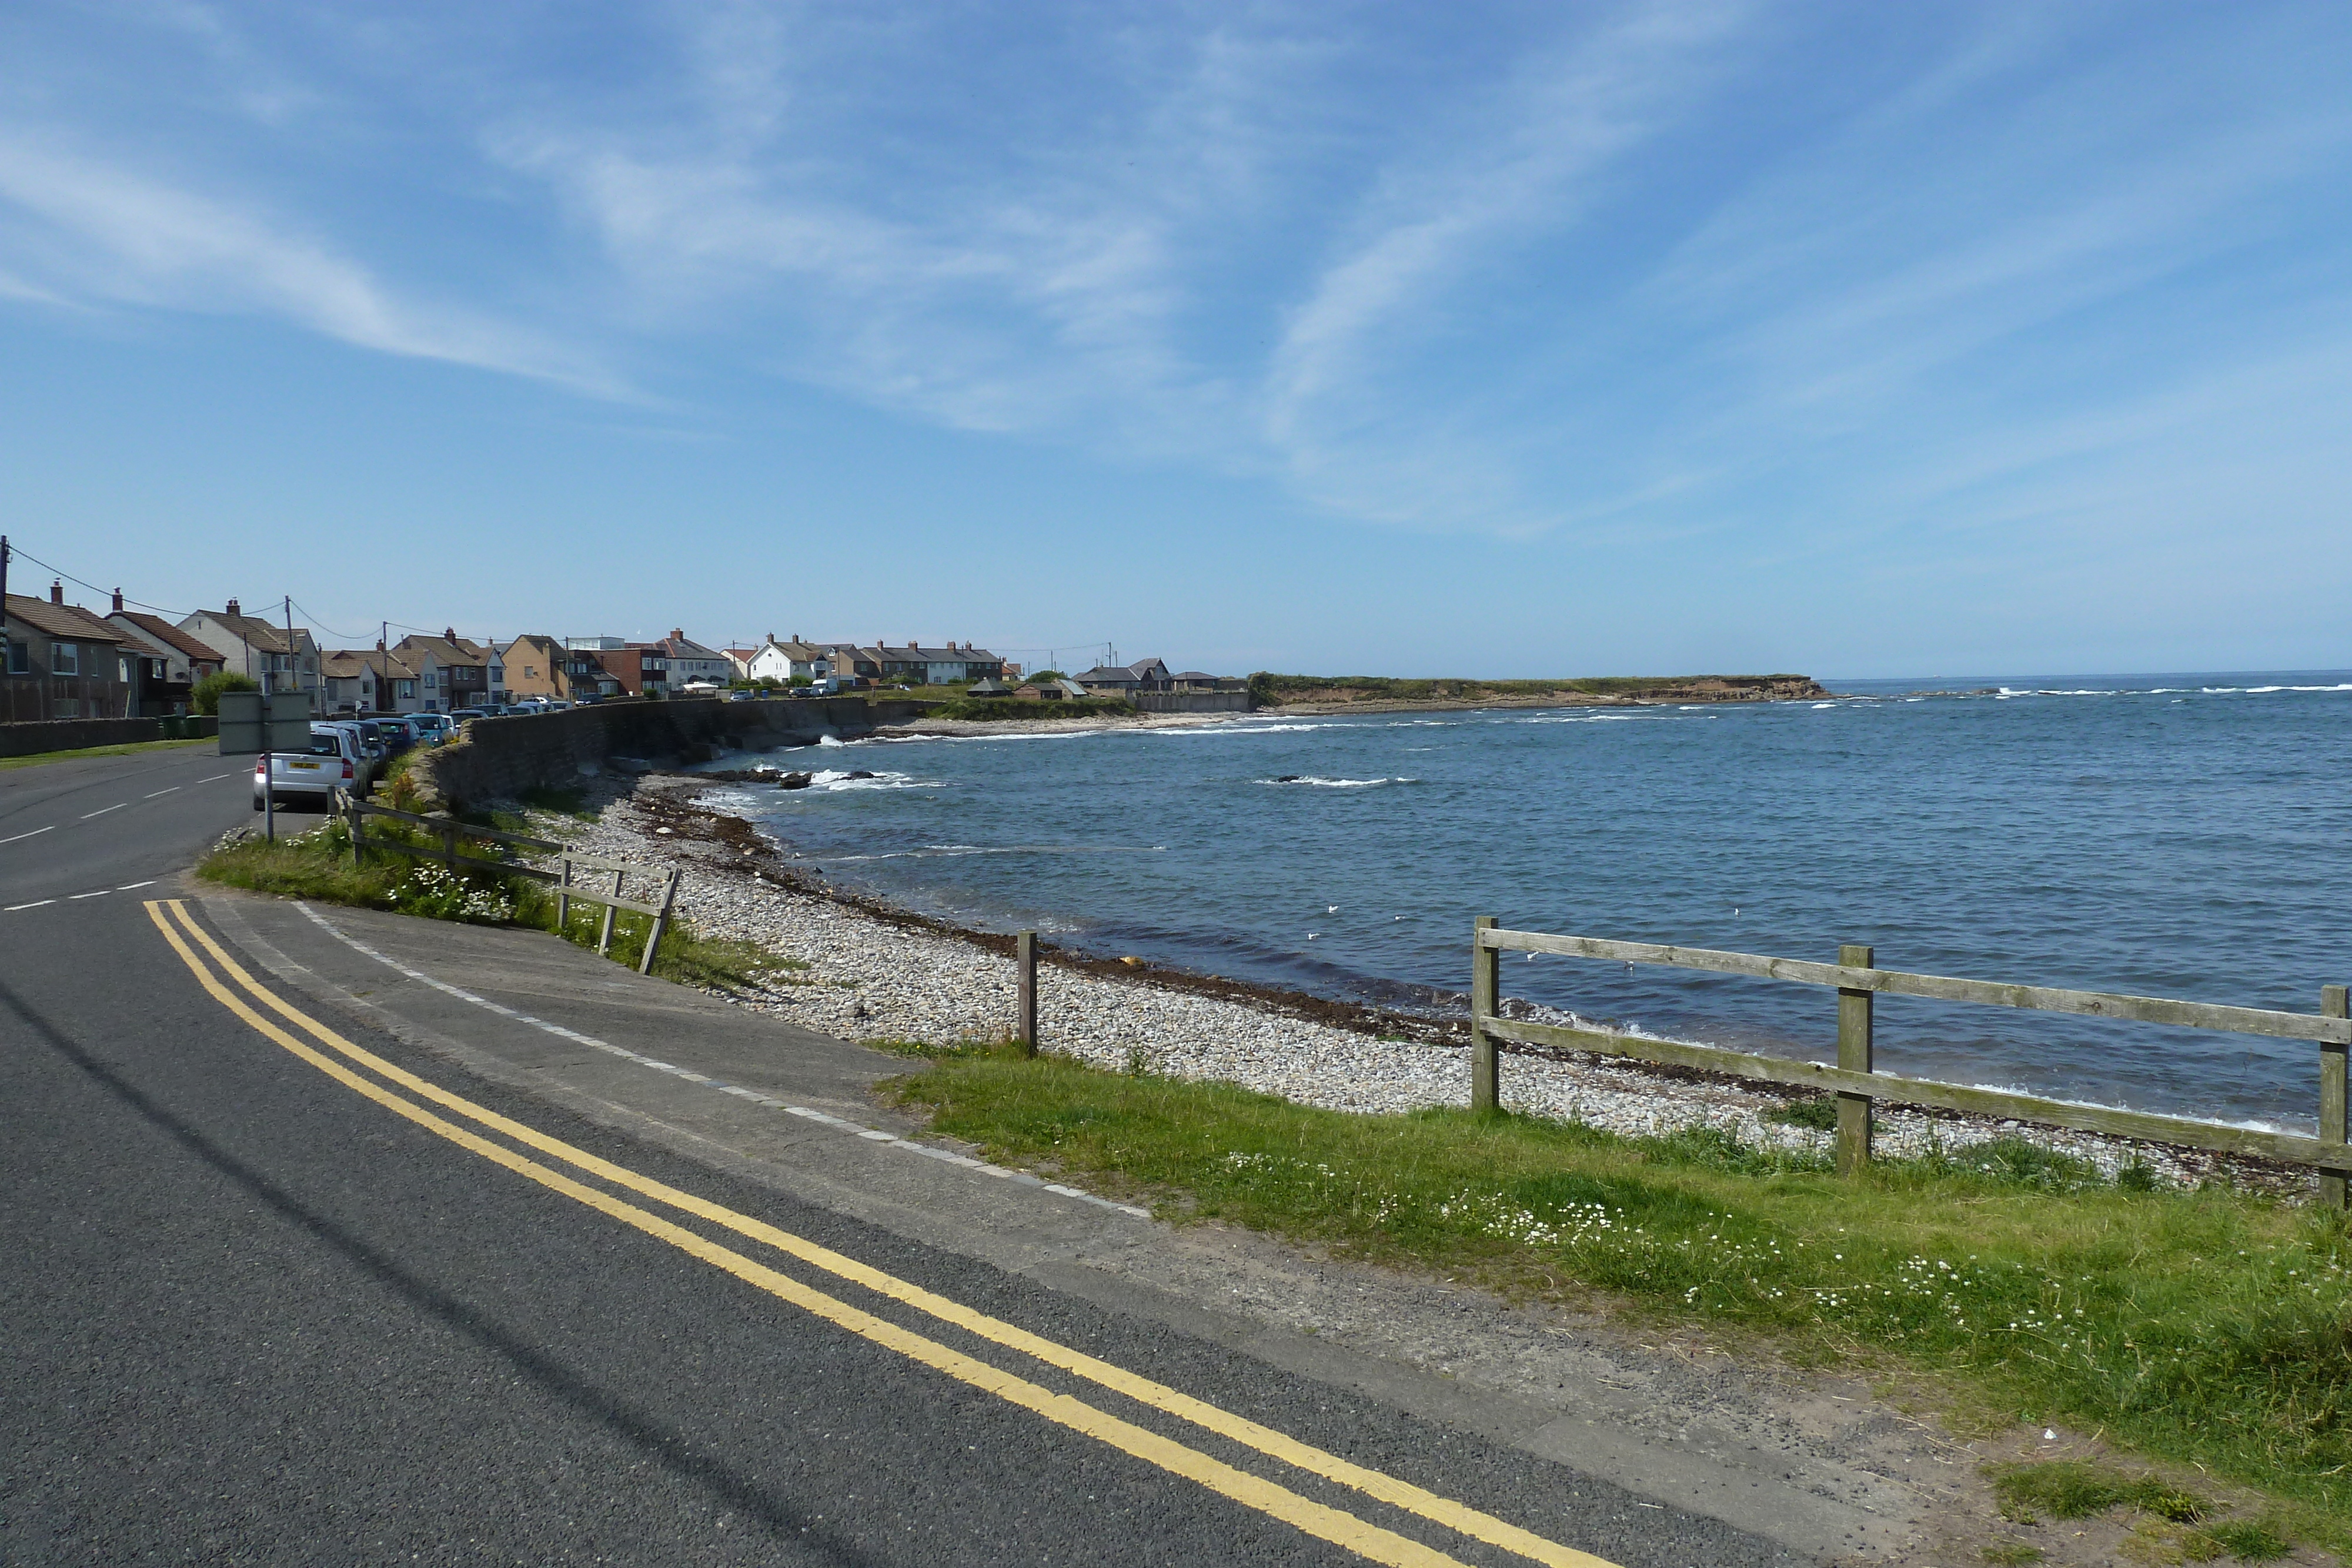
point(852, 971)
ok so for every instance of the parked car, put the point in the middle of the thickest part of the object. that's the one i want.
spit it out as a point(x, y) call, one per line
point(370, 759)
point(428, 726)
point(333, 762)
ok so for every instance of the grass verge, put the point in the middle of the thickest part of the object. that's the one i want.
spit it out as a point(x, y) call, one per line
point(41, 758)
point(316, 865)
point(2204, 1327)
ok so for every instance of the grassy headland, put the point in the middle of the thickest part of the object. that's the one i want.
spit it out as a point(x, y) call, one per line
point(1270, 690)
point(2208, 1328)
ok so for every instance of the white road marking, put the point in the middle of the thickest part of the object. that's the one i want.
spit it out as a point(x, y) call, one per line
point(72, 896)
point(35, 833)
point(218, 776)
point(103, 810)
point(127, 887)
point(949, 1155)
point(162, 792)
point(34, 904)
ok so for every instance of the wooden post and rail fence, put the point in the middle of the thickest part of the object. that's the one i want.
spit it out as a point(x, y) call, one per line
point(569, 888)
point(1858, 1084)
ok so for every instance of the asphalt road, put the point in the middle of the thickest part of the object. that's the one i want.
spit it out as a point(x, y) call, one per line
point(74, 829)
point(255, 1312)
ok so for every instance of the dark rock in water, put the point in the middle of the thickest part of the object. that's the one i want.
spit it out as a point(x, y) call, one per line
point(628, 765)
point(860, 773)
point(1287, 779)
point(794, 781)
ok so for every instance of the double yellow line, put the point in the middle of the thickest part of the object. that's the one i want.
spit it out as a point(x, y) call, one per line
point(1343, 1528)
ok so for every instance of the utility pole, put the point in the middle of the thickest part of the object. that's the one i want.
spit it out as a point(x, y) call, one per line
point(5, 659)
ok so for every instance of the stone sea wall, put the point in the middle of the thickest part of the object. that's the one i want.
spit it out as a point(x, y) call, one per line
point(504, 756)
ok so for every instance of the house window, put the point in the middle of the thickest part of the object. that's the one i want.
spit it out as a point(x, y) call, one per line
point(20, 658)
point(407, 690)
point(65, 659)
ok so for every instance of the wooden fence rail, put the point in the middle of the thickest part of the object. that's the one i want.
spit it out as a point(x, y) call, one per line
point(1858, 1084)
point(569, 890)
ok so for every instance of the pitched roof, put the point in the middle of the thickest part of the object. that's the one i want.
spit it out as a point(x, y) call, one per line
point(255, 633)
point(158, 630)
point(678, 645)
point(351, 662)
point(443, 650)
point(1112, 675)
point(70, 622)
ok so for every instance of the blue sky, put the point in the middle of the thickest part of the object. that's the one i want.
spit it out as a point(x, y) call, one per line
point(1856, 340)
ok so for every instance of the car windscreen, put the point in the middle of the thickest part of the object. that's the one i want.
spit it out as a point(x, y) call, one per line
point(324, 746)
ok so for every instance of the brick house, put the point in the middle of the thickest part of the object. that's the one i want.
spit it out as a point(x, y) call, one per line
point(62, 661)
point(168, 662)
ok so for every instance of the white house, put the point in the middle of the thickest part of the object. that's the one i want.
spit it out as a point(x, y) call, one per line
point(793, 660)
point(275, 659)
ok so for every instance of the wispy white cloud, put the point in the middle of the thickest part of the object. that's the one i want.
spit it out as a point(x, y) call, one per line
point(1336, 403)
point(1649, 268)
point(97, 232)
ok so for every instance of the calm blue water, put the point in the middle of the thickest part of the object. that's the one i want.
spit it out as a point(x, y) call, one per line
point(2184, 835)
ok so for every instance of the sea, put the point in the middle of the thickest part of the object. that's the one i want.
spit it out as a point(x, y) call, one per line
point(2183, 835)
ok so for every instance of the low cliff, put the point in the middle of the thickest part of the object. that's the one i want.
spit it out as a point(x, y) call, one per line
point(503, 757)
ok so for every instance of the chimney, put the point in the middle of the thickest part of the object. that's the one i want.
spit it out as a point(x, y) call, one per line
point(677, 634)
point(57, 591)
point(232, 609)
point(118, 601)
point(449, 634)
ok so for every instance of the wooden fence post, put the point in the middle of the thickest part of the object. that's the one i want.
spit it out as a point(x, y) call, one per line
point(449, 849)
point(604, 937)
point(2335, 1002)
point(563, 899)
point(1025, 959)
point(1486, 993)
point(1854, 1054)
point(661, 923)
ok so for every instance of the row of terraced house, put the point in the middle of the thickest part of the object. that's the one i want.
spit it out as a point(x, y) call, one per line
point(65, 662)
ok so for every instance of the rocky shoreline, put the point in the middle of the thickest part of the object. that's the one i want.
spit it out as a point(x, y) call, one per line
point(859, 969)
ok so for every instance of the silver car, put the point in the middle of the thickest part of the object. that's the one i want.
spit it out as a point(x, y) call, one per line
point(333, 762)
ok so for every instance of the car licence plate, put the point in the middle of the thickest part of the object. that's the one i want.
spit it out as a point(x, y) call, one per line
point(311, 767)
